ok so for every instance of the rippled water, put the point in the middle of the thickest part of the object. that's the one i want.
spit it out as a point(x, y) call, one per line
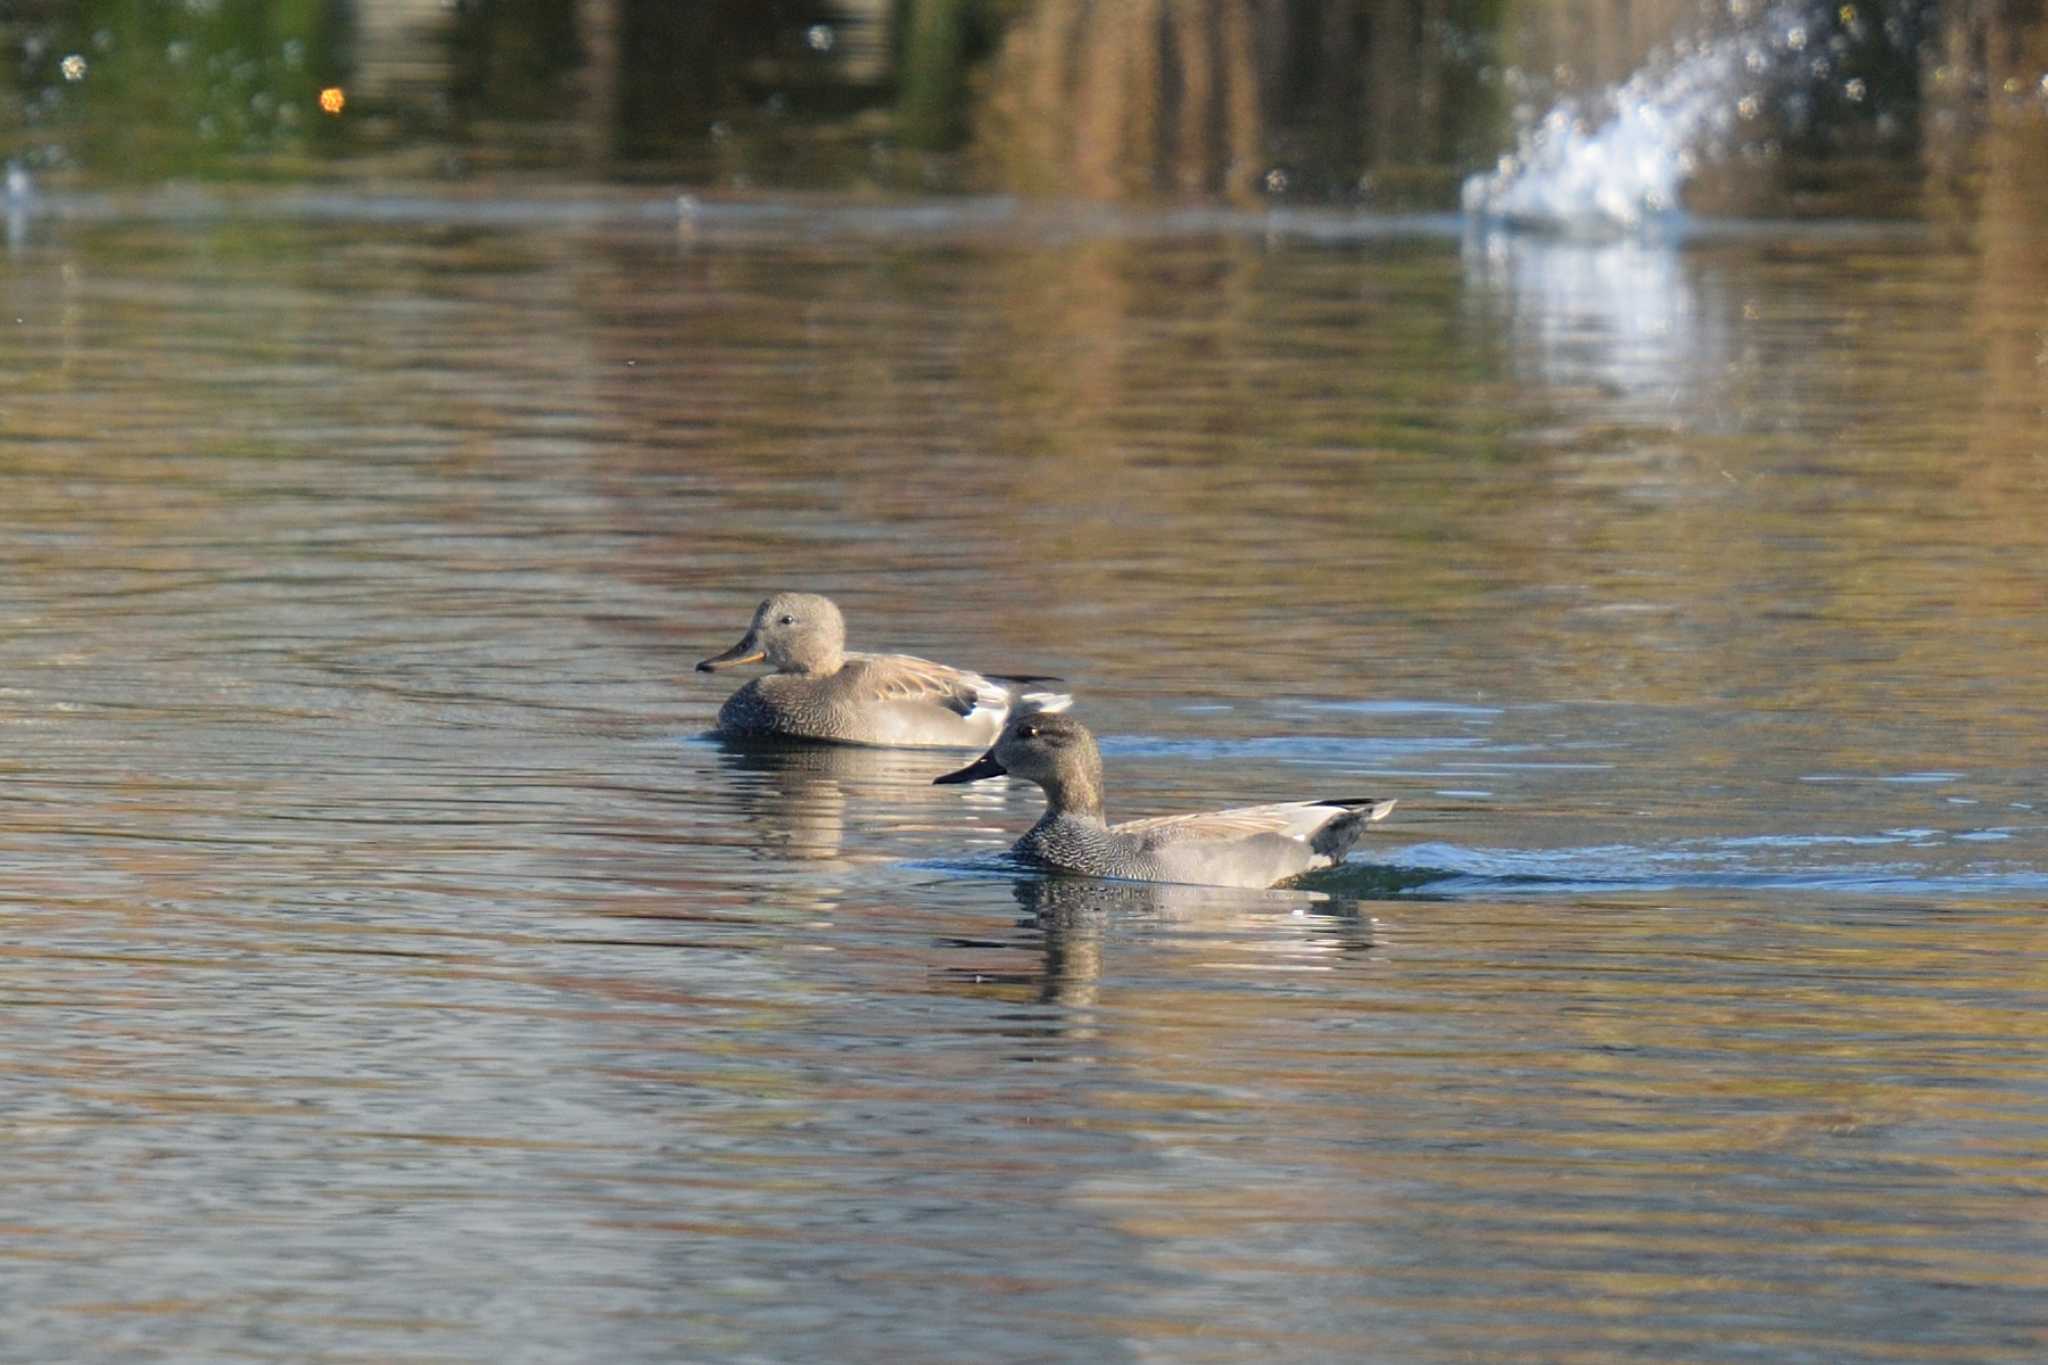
point(395, 971)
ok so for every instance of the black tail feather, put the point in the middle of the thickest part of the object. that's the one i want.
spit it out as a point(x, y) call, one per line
point(1372, 807)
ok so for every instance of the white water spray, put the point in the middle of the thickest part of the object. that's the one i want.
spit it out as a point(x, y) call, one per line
point(1623, 172)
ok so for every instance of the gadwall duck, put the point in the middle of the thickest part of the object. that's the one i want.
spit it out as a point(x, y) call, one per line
point(1250, 846)
point(819, 691)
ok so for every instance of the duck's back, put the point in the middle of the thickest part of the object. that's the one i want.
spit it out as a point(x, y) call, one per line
point(888, 699)
point(1249, 846)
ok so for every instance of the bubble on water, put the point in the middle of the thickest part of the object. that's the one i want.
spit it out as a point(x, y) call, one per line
point(1856, 90)
point(820, 38)
point(1275, 181)
point(1795, 37)
point(73, 67)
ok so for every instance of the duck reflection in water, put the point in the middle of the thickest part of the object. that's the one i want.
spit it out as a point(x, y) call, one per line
point(1068, 922)
point(794, 796)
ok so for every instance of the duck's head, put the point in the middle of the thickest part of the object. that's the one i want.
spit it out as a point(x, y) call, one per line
point(792, 632)
point(1046, 747)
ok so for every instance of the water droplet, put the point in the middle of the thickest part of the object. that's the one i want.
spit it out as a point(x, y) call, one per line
point(73, 67)
point(1795, 37)
point(820, 38)
point(1847, 14)
point(1756, 61)
point(1856, 90)
point(1276, 181)
point(1749, 106)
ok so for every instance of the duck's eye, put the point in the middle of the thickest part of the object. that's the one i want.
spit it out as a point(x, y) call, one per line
point(786, 621)
point(1027, 732)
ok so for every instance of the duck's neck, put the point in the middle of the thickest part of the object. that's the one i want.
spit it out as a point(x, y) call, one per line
point(1078, 792)
point(822, 665)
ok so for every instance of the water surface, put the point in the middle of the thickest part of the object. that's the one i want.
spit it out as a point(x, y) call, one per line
point(396, 971)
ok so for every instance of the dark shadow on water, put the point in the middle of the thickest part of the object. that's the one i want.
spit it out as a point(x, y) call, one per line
point(1369, 881)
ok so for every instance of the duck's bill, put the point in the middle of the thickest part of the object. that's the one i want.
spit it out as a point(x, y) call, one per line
point(745, 652)
point(985, 766)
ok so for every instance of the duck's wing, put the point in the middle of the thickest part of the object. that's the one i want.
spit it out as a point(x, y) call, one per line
point(1252, 846)
point(1289, 819)
point(907, 678)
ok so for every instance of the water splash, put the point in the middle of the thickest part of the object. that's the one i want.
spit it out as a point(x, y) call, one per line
point(1619, 166)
